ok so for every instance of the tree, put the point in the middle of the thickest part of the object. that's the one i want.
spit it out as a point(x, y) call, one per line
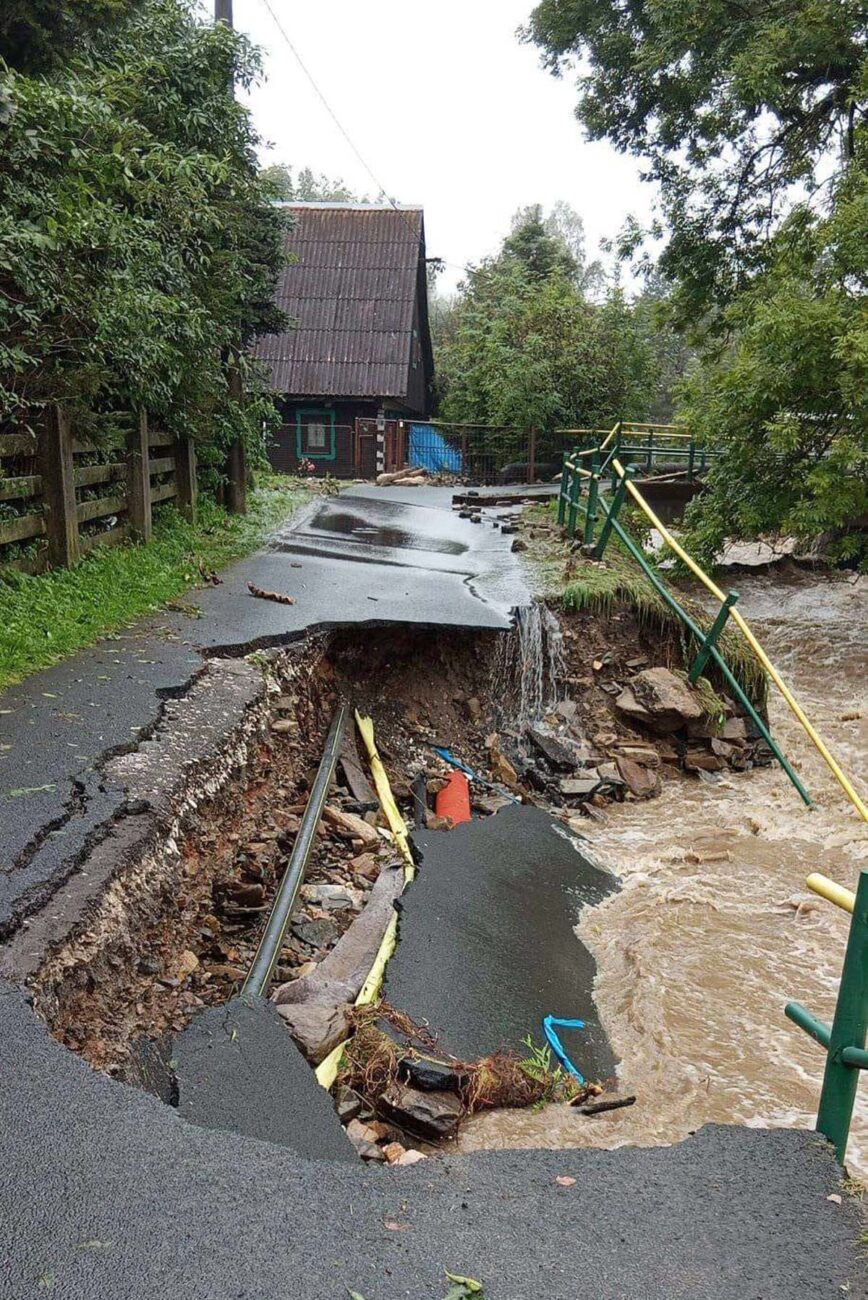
point(36, 35)
point(307, 187)
point(750, 114)
point(521, 345)
point(138, 245)
point(732, 105)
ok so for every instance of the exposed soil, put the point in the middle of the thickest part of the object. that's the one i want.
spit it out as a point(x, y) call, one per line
point(422, 689)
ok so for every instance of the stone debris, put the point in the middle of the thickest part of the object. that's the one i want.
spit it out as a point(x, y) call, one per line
point(431, 1114)
point(642, 782)
point(659, 700)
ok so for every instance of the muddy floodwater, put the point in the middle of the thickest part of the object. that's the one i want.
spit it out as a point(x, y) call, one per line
point(713, 930)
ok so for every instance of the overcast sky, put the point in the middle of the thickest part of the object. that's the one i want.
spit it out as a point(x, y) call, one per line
point(447, 108)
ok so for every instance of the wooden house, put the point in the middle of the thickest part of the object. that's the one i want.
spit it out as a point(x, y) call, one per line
point(356, 362)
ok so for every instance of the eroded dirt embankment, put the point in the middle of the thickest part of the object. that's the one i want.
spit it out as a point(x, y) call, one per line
point(546, 713)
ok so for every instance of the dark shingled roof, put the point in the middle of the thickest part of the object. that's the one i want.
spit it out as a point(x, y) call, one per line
point(350, 294)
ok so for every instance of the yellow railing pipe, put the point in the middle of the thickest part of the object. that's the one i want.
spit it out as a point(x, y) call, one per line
point(831, 891)
point(761, 655)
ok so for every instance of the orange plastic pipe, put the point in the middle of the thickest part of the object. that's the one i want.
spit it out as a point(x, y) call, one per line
point(453, 800)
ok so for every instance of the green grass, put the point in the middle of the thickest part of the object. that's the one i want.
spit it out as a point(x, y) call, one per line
point(46, 618)
point(566, 577)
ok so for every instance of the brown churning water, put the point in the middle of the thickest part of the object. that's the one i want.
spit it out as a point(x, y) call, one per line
point(713, 930)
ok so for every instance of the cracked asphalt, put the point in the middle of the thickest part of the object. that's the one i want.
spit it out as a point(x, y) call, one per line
point(107, 1193)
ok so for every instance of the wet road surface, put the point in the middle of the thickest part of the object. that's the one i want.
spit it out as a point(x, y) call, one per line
point(402, 557)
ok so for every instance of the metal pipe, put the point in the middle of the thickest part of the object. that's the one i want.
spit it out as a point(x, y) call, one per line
point(813, 1027)
point(262, 967)
point(831, 891)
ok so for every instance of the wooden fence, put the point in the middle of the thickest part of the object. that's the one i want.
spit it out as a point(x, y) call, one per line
point(69, 501)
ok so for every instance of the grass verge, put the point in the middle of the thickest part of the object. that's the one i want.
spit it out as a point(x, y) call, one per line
point(46, 618)
point(564, 576)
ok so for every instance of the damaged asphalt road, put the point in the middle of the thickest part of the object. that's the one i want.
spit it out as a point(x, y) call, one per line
point(403, 557)
point(108, 1194)
point(487, 947)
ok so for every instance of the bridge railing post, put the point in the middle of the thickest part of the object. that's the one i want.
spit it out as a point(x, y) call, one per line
point(841, 1080)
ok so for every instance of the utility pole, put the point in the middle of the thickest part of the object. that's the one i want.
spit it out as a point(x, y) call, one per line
point(235, 494)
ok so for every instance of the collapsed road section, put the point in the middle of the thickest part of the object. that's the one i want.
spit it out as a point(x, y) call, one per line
point(241, 1165)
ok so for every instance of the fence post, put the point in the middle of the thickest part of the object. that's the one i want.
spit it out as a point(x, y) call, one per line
point(58, 488)
point(612, 515)
point(531, 456)
point(712, 638)
point(139, 479)
point(186, 488)
point(593, 492)
point(691, 458)
point(575, 490)
point(236, 459)
point(464, 471)
point(849, 1026)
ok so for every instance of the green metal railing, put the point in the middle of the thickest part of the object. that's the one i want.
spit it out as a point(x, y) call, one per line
point(586, 469)
point(845, 1041)
point(647, 446)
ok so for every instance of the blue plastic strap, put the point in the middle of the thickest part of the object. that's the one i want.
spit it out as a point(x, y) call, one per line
point(557, 1046)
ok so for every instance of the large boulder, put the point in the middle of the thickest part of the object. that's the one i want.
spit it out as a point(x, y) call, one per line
point(660, 701)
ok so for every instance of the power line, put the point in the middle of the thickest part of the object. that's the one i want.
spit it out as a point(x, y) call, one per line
point(334, 117)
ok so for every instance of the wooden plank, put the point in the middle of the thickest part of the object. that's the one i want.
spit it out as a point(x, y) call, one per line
point(22, 528)
point(354, 772)
point(18, 444)
point(81, 447)
point(58, 488)
point(88, 475)
point(184, 455)
point(163, 465)
point(29, 564)
point(159, 438)
point(99, 506)
point(139, 479)
point(163, 492)
point(110, 537)
point(13, 489)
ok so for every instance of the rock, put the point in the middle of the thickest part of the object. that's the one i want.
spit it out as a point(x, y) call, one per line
point(393, 1151)
point(491, 804)
point(411, 1157)
point(317, 1027)
point(365, 865)
point(553, 750)
point(431, 1114)
point(566, 709)
point(735, 731)
point(316, 933)
point(519, 544)
point(350, 826)
point(474, 708)
point(501, 768)
point(609, 774)
point(722, 748)
point(334, 898)
point(643, 754)
point(434, 822)
point(640, 781)
point(639, 662)
point(702, 760)
point(348, 1105)
point(659, 700)
point(187, 963)
point(580, 787)
point(283, 725)
point(596, 814)
point(371, 1152)
point(431, 1076)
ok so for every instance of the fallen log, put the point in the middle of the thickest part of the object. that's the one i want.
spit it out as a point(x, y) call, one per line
point(350, 826)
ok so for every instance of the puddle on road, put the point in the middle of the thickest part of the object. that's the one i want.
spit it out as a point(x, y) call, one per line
point(713, 930)
point(357, 527)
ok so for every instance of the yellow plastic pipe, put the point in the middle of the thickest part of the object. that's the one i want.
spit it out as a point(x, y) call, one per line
point(832, 891)
point(761, 655)
point(327, 1070)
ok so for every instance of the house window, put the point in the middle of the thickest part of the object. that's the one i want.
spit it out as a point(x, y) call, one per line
point(315, 435)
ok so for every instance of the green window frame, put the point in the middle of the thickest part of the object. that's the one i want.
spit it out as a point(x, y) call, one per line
point(327, 417)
